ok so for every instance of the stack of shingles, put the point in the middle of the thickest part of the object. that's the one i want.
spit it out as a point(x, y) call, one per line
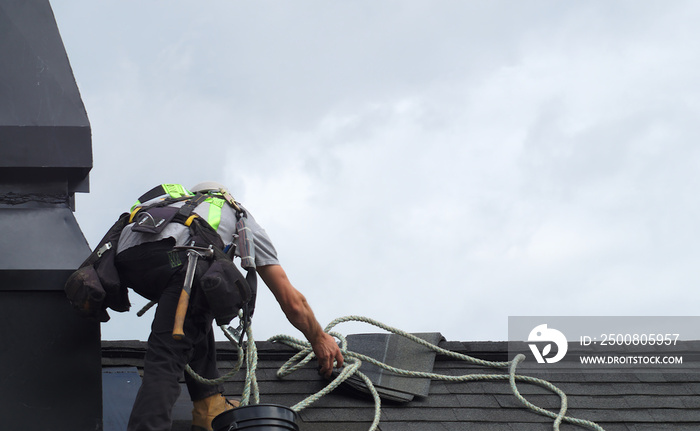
point(398, 352)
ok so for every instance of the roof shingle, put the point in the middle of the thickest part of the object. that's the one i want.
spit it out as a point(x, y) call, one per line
point(616, 401)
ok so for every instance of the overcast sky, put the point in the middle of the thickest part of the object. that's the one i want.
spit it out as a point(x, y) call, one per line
point(436, 165)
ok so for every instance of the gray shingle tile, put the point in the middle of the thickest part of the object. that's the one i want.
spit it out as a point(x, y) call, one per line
point(348, 414)
point(409, 414)
point(613, 415)
point(675, 415)
point(334, 426)
point(671, 426)
point(554, 402)
point(399, 352)
point(416, 426)
point(651, 401)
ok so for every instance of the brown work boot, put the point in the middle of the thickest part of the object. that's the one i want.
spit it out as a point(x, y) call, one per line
point(206, 410)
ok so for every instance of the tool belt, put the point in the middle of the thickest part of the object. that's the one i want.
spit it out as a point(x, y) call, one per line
point(96, 285)
point(148, 267)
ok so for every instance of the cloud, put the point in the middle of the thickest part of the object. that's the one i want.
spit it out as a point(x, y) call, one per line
point(438, 165)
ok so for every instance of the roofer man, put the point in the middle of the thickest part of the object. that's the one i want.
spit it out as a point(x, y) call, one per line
point(151, 259)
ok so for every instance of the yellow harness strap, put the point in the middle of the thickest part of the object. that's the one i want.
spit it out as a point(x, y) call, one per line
point(133, 213)
point(190, 218)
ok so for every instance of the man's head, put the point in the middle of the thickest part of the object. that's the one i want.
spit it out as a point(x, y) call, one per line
point(206, 186)
point(217, 189)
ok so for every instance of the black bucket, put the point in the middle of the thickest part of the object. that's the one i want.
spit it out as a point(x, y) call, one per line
point(258, 417)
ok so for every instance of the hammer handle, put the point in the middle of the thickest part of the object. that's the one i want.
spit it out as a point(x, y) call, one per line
point(180, 312)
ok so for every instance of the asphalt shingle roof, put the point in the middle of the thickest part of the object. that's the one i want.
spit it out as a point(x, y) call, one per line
point(624, 401)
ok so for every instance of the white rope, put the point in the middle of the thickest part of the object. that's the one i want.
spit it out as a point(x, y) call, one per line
point(354, 360)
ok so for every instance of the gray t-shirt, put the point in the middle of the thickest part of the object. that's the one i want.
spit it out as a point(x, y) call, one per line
point(265, 253)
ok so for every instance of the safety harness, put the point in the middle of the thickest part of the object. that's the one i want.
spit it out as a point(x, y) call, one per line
point(154, 217)
point(221, 281)
point(96, 286)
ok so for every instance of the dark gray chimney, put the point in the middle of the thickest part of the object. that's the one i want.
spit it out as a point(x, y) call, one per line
point(50, 357)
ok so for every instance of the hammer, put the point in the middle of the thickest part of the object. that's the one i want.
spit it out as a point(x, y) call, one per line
point(193, 254)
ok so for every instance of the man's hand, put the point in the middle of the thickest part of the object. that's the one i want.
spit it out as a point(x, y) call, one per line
point(327, 351)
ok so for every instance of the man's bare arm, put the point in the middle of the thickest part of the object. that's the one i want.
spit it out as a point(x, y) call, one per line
point(300, 314)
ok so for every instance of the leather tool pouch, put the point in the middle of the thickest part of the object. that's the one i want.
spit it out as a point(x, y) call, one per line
point(96, 285)
point(86, 294)
point(225, 288)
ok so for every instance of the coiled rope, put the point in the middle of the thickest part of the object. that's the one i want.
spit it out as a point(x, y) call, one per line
point(353, 361)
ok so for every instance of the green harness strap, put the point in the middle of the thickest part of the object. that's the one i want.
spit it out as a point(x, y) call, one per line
point(176, 192)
